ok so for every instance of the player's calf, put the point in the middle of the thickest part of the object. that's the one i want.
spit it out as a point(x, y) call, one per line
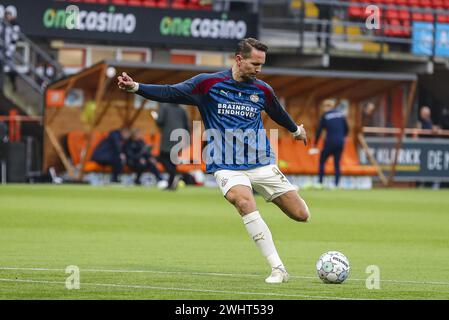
point(293, 206)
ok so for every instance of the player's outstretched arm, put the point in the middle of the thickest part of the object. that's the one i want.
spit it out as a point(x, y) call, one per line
point(180, 93)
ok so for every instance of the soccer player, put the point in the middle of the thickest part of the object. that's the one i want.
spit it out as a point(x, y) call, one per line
point(336, 126)
point(232, 101)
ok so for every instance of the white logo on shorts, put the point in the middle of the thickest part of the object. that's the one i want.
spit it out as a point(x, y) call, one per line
point(224, 181)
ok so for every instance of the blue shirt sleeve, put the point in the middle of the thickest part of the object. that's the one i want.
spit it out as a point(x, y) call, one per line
point(276, 112)
point(181, 93)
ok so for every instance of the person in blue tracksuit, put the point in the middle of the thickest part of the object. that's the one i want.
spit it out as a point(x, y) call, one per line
point(238, 151)
point(336, 126)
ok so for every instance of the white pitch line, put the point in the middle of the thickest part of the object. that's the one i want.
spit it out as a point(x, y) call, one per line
point(128, 286)
point(217, 274)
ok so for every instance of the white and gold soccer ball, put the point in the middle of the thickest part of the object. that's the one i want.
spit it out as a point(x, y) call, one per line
point(333, 267)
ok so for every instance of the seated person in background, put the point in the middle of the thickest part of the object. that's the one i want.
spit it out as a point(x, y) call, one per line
point(139, 158)
point(110, 152)
point(425, 120)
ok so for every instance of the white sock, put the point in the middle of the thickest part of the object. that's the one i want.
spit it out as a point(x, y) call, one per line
point(259, 232)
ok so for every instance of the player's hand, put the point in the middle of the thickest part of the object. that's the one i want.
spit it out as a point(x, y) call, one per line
point(302, 135)
point(125, 82)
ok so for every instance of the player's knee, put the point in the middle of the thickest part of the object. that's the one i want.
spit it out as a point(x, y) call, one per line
point(244, 204)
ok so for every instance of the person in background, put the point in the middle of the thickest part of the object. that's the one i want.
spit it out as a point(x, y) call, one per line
point(9, 32)
point(425, 120)
point(110, 152)
point(139, 158)
point(170, 117)
point(336, 126)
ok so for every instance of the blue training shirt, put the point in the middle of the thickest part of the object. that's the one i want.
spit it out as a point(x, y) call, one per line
point(334, 121)
point(231, 112)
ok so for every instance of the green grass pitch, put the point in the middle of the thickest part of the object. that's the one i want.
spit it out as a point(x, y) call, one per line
point(143, 243)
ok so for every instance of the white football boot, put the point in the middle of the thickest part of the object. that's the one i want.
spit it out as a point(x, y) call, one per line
point(278, 275)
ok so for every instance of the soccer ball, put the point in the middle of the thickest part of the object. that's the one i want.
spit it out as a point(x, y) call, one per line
point(333, 267)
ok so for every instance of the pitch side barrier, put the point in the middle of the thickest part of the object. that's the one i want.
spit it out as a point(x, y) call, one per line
point(422, 156)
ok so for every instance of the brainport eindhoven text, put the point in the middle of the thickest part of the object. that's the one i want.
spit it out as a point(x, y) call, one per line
point(230, 146)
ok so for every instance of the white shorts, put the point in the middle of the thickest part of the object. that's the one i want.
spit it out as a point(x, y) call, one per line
point(268, 181)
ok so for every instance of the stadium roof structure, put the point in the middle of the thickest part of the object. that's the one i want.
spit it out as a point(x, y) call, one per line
point(99, 85)
point(286, 82)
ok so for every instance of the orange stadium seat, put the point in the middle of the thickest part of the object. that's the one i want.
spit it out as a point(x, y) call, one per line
point(149, 3)
point(413, 3)
point(437, 4)
point(193, 4)
point(425, 3)
point(391, 13)
point(76, 142)
point(407, 30)
point(428, 17)
point(294, 158)
point(120, 2)
point(179, 4)
point(404, 14)
point(401, 2)
point(443, 18)
point(97, 1)
point(135, 3)
point(162, 3)
point(356, 11)
point(417, 16)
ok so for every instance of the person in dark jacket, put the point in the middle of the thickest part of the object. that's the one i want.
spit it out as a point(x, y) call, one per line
point(139, 158)
point(170, 117)
point(336, 126)
point(9, 33)
point(109, 152)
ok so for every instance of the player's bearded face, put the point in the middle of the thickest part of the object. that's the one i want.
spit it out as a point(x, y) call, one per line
point(249, 67)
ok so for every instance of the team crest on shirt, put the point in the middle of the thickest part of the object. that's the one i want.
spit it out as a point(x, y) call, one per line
point(254, 98)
